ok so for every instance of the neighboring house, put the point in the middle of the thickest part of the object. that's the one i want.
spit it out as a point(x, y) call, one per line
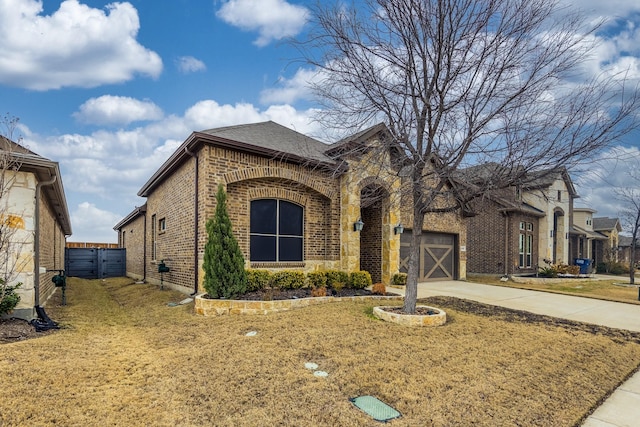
point(36, 224)
point(607, 250)
point(293, 202)
point(584, 239)
point(522, 228)
point(624, 250)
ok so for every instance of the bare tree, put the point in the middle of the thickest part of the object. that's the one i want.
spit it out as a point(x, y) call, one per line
point(630, 215)
point(460, 83)
point(11, 242)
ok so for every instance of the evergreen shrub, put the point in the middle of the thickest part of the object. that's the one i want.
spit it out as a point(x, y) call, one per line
point(223, 264)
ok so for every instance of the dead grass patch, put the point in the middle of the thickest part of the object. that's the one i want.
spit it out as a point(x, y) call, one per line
point(609, 290)
point(124, 357)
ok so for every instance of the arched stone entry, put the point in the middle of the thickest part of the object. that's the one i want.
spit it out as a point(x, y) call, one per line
point(372, 210)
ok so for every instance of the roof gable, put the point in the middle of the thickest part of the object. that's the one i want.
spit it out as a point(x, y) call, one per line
point(606, 224)
point(268, 139)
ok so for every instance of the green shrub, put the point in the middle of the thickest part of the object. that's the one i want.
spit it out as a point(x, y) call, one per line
point(258, 280)
point(359, 279)
point(335, 276)
point(9, 299)
point(223, 264)
point(548, 272)
point(288, 280)
point(601, 267)
point(317, 279)
point(399, 279)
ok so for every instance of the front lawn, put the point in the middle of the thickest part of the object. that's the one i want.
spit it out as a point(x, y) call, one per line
point(124, 357)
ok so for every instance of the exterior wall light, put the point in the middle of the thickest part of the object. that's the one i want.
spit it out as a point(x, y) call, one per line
point(357, 226)
point(398, 229)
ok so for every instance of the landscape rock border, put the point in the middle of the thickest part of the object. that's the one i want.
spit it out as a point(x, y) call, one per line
point(218, 307)
point(437, 319)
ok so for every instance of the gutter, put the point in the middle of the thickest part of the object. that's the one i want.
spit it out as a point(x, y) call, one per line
point(196, 222)
point(42, 315)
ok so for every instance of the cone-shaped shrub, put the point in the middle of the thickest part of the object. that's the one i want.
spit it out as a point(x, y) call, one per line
point(223, 264)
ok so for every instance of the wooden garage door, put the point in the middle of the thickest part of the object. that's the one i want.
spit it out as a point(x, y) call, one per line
point(437, 255)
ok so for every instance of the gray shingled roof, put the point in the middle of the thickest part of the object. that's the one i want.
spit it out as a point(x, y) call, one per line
point(272, 136)
point(606, 224)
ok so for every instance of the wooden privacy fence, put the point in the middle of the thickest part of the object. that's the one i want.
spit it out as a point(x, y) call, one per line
point(95, 263)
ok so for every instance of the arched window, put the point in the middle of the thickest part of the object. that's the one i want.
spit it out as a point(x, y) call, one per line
point(276, 231)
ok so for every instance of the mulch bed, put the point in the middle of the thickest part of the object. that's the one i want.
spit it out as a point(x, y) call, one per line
point(518, 316)
point(12, 330)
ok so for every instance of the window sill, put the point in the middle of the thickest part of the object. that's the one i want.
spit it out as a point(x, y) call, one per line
point(295, 264)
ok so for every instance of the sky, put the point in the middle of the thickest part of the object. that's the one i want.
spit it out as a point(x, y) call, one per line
point(110, 89)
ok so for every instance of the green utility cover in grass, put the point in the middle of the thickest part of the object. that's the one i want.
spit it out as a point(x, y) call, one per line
point(375, 408)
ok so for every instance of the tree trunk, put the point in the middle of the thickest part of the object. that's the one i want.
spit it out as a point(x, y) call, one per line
point(411, 288)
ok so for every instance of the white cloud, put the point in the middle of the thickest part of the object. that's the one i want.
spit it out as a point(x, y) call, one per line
point(597, 182)
point(291, 90)
point(189, 64)
point(92, 224)
point(109, 167)
point(117, 110)
point(75, 46)
point(273, 19)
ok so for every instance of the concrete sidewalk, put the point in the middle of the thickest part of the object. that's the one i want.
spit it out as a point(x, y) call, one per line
point(622, 408)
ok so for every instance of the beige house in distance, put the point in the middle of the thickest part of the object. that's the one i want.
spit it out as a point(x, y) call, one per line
point(36, 224)
point(293, 202)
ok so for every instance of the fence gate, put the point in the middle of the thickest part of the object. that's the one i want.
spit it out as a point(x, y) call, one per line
point(95, 263)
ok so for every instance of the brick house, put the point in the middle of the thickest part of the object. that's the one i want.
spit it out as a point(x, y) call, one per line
point(293, 202)
point(607, 249)
point(624, 250)
point(36, 225)
point(585, 241)
point(521, 228)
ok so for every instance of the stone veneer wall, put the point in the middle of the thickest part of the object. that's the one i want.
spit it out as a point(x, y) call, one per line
point(21, 214)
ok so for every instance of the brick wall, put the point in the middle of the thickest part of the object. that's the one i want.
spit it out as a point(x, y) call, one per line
point(173, 202)
point(52, 245)
point(246, 177)
point(131, 237)
point(487, 234)
point(371, 241)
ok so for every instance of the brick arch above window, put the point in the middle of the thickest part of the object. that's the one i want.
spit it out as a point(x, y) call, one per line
point(278, 193)
point(282, 173)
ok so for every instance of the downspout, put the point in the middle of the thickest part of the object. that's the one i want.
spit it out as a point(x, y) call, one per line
point(36, 246)
point(506, 244)
point(144, 246)
point(196, 221)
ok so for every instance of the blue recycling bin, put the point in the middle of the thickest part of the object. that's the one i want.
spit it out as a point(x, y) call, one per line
point(584, 265)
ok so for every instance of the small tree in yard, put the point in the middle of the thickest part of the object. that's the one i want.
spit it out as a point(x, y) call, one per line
point(630, 197)
point(11, 242)
point(224, 273)
point(477, 95)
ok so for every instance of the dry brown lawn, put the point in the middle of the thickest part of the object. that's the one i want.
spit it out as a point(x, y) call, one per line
point(610, 290)
point(124, 357)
